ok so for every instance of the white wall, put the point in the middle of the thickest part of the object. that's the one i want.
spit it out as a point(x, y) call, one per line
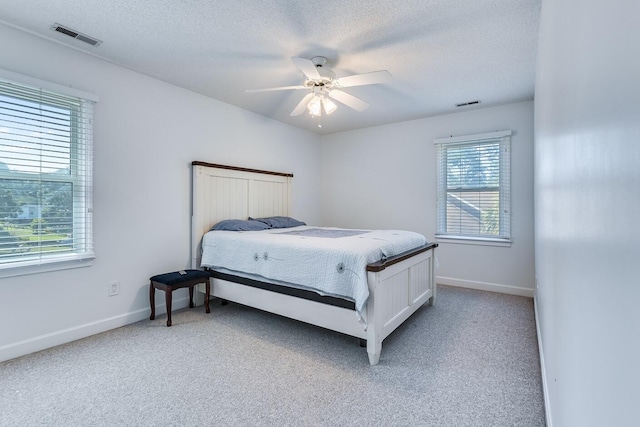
point(385, 177)
point(587, 194)
point(146, 135)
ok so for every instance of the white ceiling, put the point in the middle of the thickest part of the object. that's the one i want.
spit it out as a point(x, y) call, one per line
point(440, 52)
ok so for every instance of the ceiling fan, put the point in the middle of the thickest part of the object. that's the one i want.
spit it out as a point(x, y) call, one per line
point(322, 84)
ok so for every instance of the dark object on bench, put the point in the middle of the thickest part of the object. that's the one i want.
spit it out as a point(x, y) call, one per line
point(169, 282)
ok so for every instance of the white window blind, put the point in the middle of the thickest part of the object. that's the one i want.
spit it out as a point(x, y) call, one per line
point(46, 165)
point(474, 187)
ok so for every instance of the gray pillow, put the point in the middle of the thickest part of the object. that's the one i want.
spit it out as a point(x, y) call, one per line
point(240, 225)
point(279, 221)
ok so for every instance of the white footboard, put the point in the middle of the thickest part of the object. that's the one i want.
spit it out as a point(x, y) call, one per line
point(396, 292)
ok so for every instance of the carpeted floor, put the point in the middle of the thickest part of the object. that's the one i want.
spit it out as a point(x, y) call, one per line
point(470, 360)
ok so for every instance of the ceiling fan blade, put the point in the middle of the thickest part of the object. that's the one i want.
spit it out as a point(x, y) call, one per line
point(363, 79)
point(307, 67)
point(270, 89)
point(302, 105)
point(348, 100)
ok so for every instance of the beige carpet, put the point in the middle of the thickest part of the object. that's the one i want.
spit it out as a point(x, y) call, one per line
point(470, 360)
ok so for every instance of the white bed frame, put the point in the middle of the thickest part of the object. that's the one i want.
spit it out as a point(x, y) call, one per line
point(397, 286)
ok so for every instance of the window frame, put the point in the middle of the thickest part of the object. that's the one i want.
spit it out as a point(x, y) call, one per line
point(84, 181)
point(503, 237)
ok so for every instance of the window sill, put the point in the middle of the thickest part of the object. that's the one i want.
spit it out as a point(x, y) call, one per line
point(25, 268)
point(474, 241)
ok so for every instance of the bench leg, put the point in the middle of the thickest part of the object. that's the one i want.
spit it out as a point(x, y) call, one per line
point(168, 294)
point(191, 305)
point(152, 300)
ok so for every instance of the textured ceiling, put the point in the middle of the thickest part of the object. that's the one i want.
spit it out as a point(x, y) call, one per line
point(439, 52)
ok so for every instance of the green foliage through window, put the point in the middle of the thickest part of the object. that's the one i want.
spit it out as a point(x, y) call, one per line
point(45, 171)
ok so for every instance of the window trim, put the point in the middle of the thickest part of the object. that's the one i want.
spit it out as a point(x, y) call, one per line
point(45, 85)
point(504, 190)
point(62, 261)
point(23, 268)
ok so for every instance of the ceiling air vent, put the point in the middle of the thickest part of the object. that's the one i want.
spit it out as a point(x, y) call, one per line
point(464, 104)
point(76, 35)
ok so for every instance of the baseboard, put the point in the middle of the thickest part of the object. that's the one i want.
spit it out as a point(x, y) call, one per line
point(483, 286)
point(64, 336)
point(543, 369)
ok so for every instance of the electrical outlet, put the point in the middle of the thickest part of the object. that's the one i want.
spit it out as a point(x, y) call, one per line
point(113, 288)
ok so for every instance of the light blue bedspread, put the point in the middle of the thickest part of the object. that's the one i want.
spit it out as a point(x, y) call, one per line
point(331, 262)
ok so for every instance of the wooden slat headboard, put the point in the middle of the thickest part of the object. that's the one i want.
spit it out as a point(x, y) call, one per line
point(227, 192)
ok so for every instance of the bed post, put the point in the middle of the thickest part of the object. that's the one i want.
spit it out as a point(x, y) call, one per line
point(432, 278)
point(374, 339)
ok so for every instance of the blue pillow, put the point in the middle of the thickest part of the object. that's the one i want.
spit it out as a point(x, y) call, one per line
point(279, 221)
point(240, 225)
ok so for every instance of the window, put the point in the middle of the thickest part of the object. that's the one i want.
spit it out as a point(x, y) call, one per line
point(45, 173)
point(473, 187)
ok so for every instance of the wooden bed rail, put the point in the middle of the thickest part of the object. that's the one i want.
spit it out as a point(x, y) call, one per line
point(387, 262)
point(237, 168)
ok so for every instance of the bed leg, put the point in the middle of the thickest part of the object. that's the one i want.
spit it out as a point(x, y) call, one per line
point(373, 349)
point(374, 358)
point(434, 288)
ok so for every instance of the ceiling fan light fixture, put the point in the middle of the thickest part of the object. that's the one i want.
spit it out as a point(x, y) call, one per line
point(315, 106)
point(328, 105)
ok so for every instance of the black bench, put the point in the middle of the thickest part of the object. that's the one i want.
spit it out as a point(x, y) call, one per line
point(169, 282)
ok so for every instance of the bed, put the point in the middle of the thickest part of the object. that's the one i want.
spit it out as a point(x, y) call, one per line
point(396, 285)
